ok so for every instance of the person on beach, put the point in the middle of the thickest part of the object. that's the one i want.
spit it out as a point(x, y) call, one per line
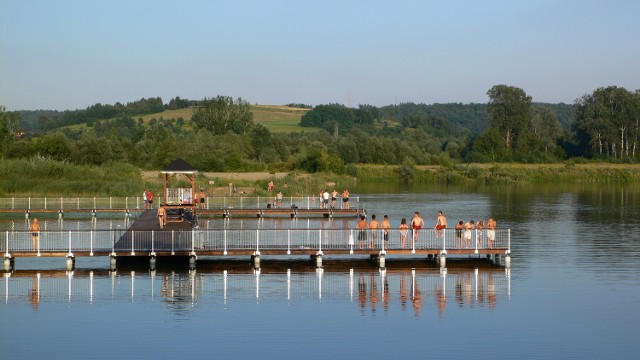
point(417, 223)
point(34, 228)
point(491, 232)
point(385, 230)
point(362, 227)
point(441, 224)
point(162, 214)
point(374, 225)
point(404, 231)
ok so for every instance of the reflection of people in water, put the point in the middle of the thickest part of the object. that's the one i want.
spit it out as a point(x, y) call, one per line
point(403, 292)
point(416, 299)
point(385, 293)
point(441, 299)
point(374, 291)
point(34, 294)
point(362, 291)
point(491, 291)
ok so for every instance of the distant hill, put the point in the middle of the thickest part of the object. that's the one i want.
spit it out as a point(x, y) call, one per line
point(276, 118)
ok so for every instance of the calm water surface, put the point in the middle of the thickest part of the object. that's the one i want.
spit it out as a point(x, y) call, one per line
point(573, 291)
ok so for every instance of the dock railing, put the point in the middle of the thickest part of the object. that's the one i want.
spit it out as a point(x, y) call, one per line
point(284, 241)
point(133, 202)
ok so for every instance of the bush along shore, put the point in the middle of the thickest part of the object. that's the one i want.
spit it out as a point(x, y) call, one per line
point(40, 176)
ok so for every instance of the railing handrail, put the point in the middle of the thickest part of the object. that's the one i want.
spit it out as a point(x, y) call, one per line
point(137, 202)
point(285, 240)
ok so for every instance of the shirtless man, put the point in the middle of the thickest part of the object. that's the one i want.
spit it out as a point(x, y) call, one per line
point(491, 232)
point(34, 228)
point(362, 231)
point(386, 225)
point(417, 223)
point(441, 224)
point(345, 199)
point(334, 197)
point(374, 225)
point(468, 226)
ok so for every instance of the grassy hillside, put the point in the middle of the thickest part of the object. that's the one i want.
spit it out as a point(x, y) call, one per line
point(275, 118)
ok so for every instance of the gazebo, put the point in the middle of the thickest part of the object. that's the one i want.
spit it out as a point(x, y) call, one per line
point(180, 198)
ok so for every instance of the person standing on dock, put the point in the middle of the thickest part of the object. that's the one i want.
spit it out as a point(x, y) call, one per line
point(362, 231)
point(470, 225)
point(325, 199)
point(202, 199)
point(385, 230)
point(34, 228)
point(150, 199)
point(162, 214)
point(441, 224)
point(417, 223)
point(145, 199)
point(491, 232)
point(345, 199)
point(404, 231)
point(374, 225)
point(334, 197)
point(459, 232)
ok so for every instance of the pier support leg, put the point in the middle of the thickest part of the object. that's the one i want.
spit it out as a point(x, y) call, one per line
point(381, 261)
point(507, 261)
point(192, 262)
point(442, 260)
point(255, 261)
point(112, 262)
point(71, 262)
point(9, 263)
point(318, 260)
point(152, 262)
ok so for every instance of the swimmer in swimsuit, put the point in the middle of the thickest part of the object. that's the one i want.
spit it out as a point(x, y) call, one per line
point(417, 223)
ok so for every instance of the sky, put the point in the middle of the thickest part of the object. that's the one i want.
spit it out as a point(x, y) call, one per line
point(71, 54)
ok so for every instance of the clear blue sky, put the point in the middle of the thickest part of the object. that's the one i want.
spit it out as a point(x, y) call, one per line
point(69, 54)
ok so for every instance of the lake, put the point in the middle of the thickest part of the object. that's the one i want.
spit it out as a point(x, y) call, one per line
point(573, 290)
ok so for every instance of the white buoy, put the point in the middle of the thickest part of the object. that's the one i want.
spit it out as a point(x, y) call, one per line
point(318, 261)
point(507, 261)
point(255, 259)
point(7, 264)
point(152, 262)
point(192, 262)
point(381, 262)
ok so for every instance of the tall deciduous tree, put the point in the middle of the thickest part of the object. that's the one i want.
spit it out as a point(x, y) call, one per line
point(8, 128)
point(509, 109)
point(607, 119)
point(222, 114)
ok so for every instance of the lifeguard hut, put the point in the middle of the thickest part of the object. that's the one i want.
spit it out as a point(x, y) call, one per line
point(178, 201)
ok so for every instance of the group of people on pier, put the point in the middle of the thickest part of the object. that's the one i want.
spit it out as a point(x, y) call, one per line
point(463, 231)
point(328, 199)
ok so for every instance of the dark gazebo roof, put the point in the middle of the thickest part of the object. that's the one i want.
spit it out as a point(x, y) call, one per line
point(179, 166)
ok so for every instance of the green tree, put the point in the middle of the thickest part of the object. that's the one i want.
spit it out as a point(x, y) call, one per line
point(9, 127)
point(545, 128)
point(222, 114)
point(509, 109)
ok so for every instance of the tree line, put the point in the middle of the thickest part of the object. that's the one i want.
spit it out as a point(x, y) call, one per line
point(223, 136)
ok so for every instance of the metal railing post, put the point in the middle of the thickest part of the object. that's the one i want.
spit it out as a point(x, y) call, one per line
point(475, 238)
point(153, 249)
point(509, 241)
point(173, 251)
point(7, 254)
point(91, 244)
point(224, 241)
point(444, 241)
point(257, 241)
point(320, 241)
point(133, 239)
point(193, 239)
point(288, 241)
point(70, 254)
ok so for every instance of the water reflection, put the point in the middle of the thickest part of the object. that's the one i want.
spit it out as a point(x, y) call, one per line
point(420, 290)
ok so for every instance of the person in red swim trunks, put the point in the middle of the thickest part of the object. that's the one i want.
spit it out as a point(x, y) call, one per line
point(417, 223)
point(441, 224)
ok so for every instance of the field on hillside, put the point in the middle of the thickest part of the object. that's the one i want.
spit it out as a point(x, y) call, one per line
point(273, 117)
